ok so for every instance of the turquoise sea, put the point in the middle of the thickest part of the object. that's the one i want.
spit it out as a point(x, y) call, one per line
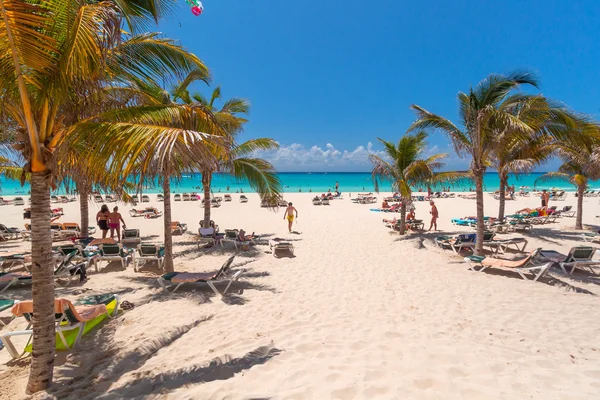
point(294, 182)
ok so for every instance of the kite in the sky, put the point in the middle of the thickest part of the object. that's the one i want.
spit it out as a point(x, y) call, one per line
point(196, 5)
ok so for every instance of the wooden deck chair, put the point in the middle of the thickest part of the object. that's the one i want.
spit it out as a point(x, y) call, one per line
point(221, 276)
point(521, 267)
point(72, 321)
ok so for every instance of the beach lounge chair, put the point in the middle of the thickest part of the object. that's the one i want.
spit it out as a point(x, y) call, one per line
point(10, 233)
point(5, 304)
point(74, 228)
point(227, 197)
point(67, 269)
point(280, 245)
point(11, 261)
point(109, 198)
point(206, 236)
point(54, 199)
point(177, 197)
point(194, 197)
point(232, 236)
point(113, 252)
point(98, 198)
point(160, 197)
point(178, 228)
point(80, 252)
point(316, 201)
point(521, 267)
point(19, 201)
point(456, 244)
point(72, 321)
point(131, 236)
point(578, 257)
point(567, 211)
point(243, 199)
point(325, 202)
point(149, 252)
point(214, 202)
point(221, 276)
point(186, 197)
point(145, 198)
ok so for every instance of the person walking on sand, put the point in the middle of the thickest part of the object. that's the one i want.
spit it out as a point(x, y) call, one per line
point(434, 216)
point(545, 198)
point(114, 223)
point(289, 213)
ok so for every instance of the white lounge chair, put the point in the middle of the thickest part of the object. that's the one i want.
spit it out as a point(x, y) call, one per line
point(521, 267)
point(280, 245)
point(223, 275)
point(149, 252)
point(113, 252)
point(578, 257)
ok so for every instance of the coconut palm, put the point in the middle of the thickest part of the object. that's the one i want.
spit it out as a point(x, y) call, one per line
point(161, 140)
point(239, 161)
point(404, 165)
point(579, 167)
point(49, 52)
point(482, 119)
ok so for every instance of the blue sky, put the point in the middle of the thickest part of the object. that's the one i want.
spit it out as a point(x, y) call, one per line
point(327, 77)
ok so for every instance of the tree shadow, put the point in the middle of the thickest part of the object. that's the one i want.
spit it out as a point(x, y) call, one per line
point(79, 375)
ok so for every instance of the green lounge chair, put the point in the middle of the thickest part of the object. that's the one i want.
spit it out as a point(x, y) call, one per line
point(112, 252)
point(210, 279)
point(5, 304)
point(578, 257)
point(67, 269)
point(72, 321)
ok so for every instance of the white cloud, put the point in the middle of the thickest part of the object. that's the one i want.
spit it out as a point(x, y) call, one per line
point(299, 158)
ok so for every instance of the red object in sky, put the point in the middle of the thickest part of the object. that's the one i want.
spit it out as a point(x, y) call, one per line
point(196, 10)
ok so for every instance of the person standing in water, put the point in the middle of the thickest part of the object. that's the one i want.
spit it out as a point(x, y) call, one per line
point(289, 213)
point(337, 187)
point(434, 216)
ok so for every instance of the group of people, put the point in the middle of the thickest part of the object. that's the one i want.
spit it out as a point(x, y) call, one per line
point(107, 220)
point(411, 216)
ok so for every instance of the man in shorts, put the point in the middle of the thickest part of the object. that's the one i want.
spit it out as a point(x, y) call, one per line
point(289, 213)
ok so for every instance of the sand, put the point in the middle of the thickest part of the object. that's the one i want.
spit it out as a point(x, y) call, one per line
point(358, 313)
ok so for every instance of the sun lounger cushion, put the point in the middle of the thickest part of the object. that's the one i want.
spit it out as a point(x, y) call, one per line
point(82, 313)
point(12, 275)
point(189, 277)
point(6, 304)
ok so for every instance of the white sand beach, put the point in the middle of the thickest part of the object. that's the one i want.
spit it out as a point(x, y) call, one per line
point(358, 313)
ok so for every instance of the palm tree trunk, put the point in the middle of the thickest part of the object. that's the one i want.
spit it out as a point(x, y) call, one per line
point(84, 210)
point(502, 206)
point(480, 213)
point(579, 217)
point(168, 263)
point(206, 179)
point(403, 217)
point(42, 292)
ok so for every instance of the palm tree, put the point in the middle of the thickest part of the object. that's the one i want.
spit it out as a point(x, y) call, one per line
point(259, 173)
point(44, 61)
point(579, 167)
point(404, 166)
point(482, 119)
point(162, 140)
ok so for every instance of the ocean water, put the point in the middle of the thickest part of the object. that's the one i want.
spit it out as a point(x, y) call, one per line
point(318, 182)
